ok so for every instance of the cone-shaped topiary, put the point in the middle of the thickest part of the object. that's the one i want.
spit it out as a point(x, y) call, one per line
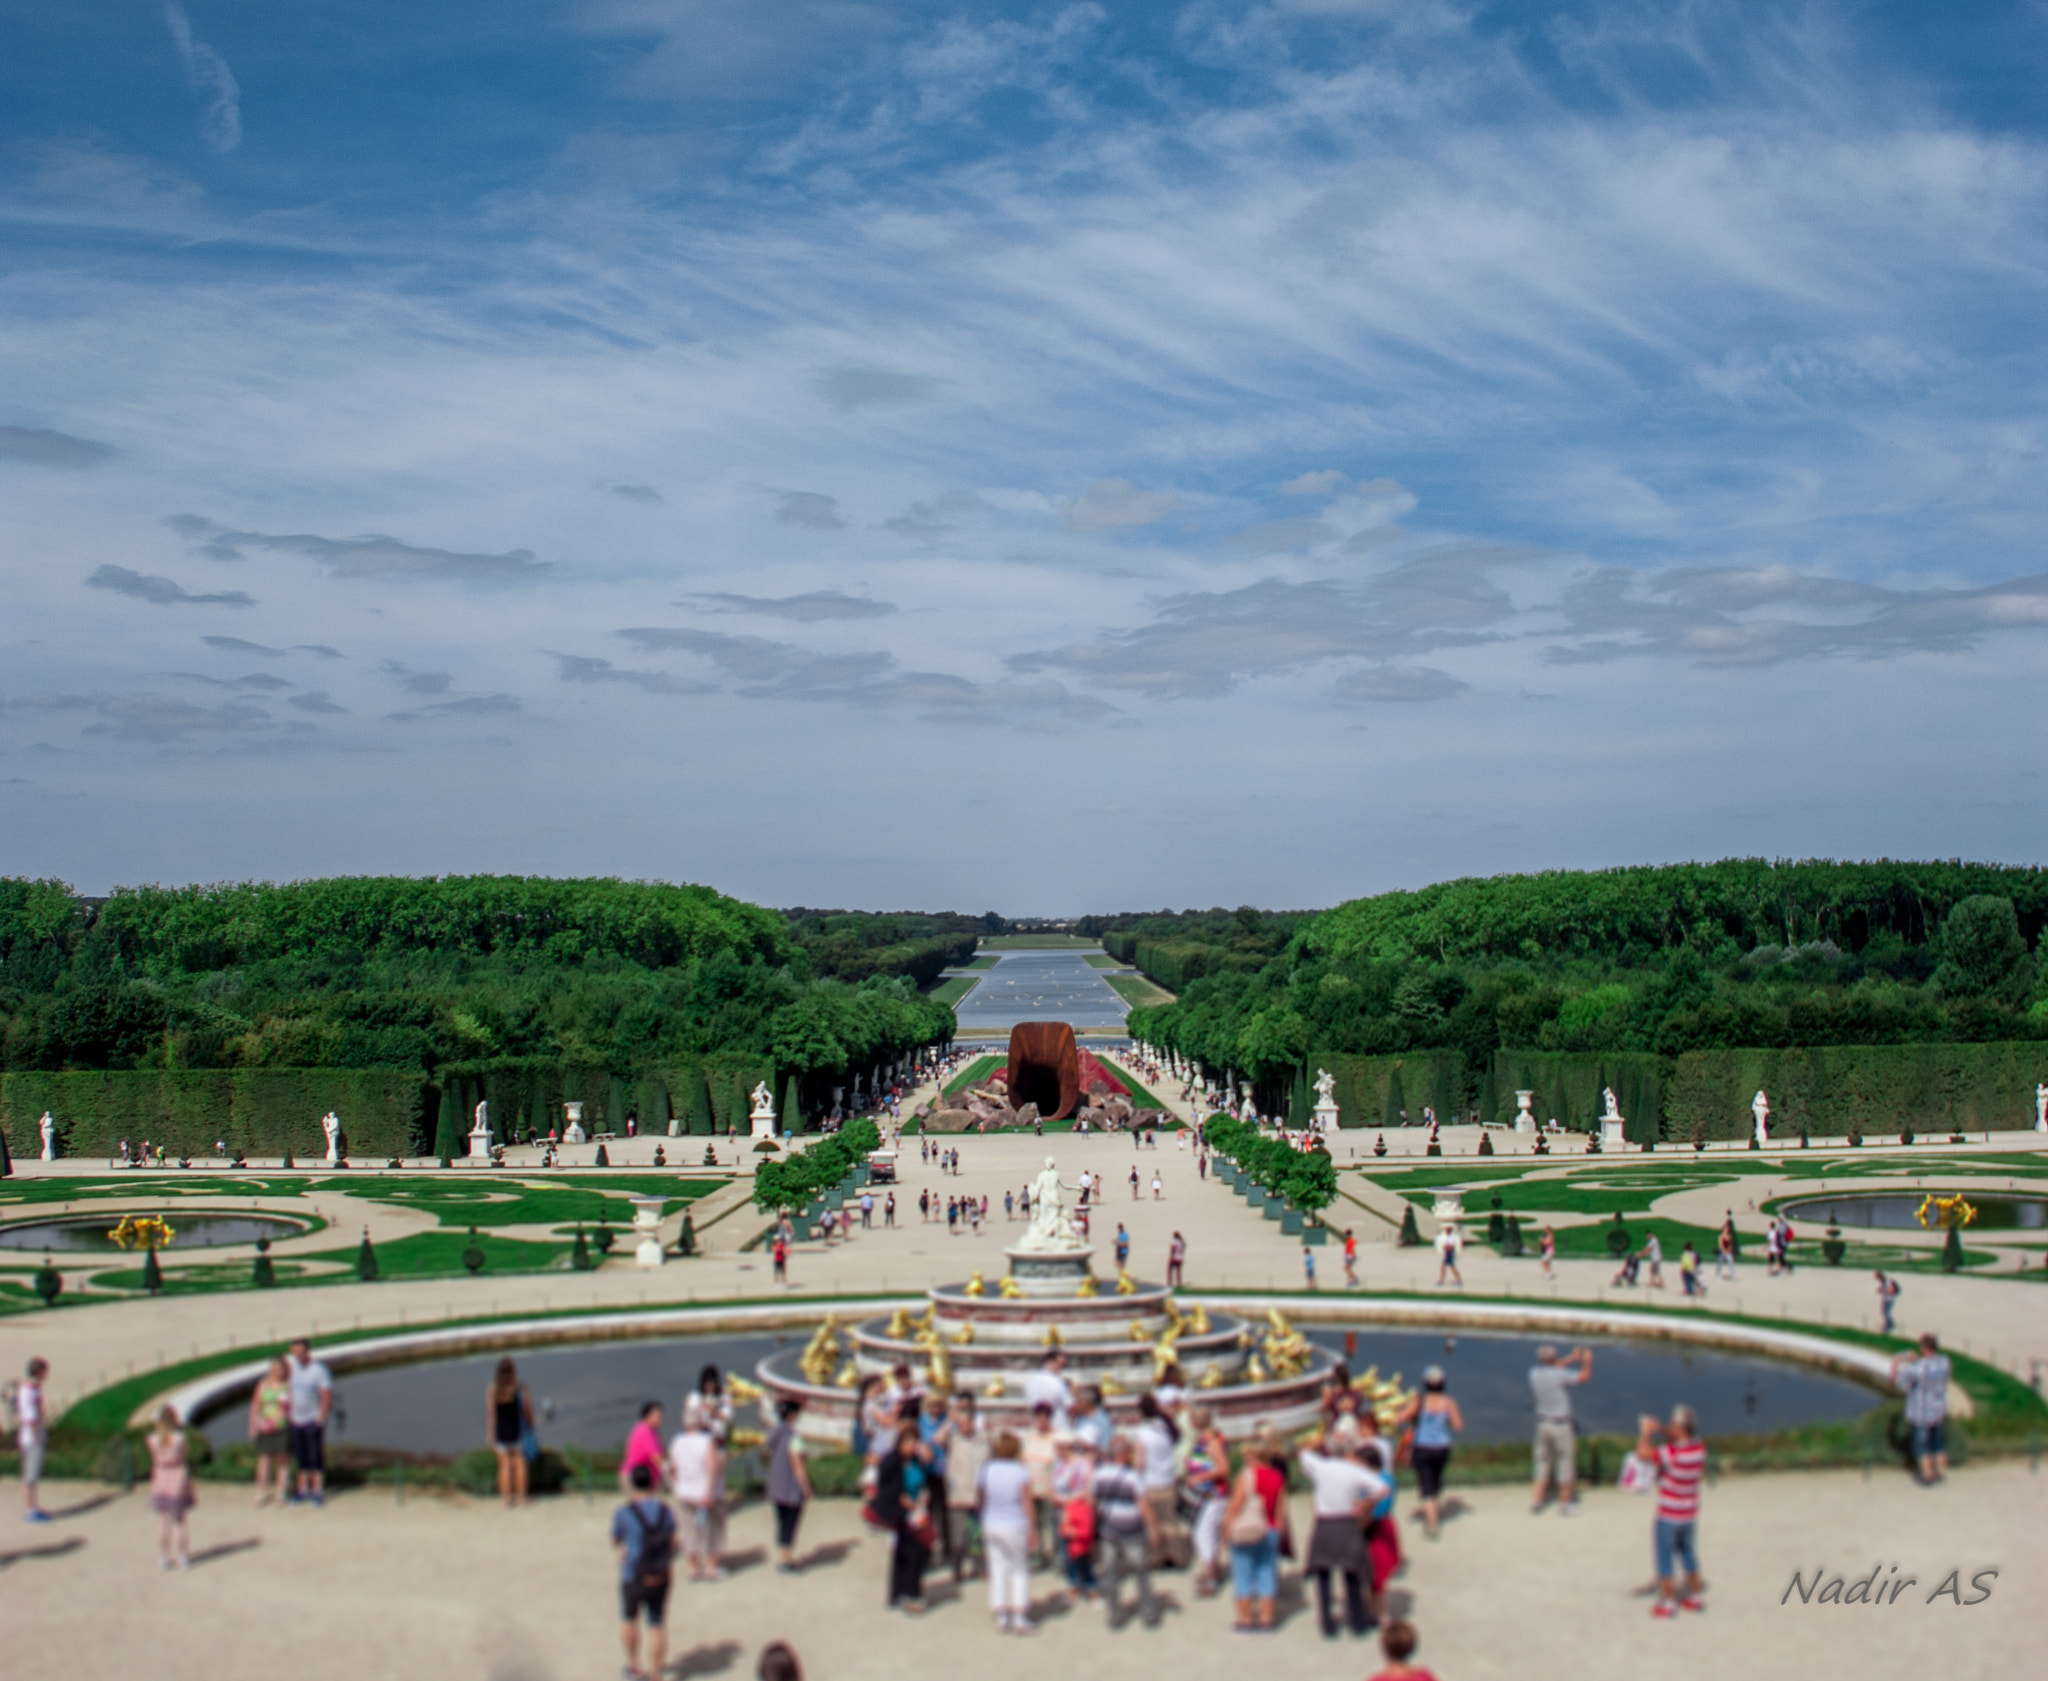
point(6, 1161)
point(263, 1273)
point(448, 1128)
point(686, 1239)
point(1485, 1144)
point(1952, 1250)
point(152, 1274)
point(601, 1159)
point(605, 1237)
point(1513, 1242)
point(49, 1281)
point(473, 1256)
point(366, 1259)
point(1496, 1224)
point(1617, 1237)
point(792, 1111)
point(1411, 1238)
point(579, 1257)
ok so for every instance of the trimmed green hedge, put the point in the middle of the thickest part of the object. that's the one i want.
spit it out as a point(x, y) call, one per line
point(703, 1096)
point(1884, 1089)
point(265, 1111)
point(1931, 1089)
point(1373, 1090)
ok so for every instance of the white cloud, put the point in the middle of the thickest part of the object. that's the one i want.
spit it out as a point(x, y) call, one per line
point(220, 124)
point(1111, 504)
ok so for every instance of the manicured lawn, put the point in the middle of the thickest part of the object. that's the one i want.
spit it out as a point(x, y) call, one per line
point(1137, 991)
point(988, 960)
point(423, 1255)
point(952, 990)
point(484, 1199)
point(1140, 1097)
point(1039, 942)
point(974, 1073)
point(1102, 960)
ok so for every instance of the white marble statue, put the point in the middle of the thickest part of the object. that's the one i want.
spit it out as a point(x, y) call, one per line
point(761, 1120)
point(572, 1132)
point(1613, 1110)
point(1052, 1227)
point(1760, 1107)
point(2041, 1108)
point(330, 1123)
point(480, 1133)
point(1525, 1117)
point(48, 1127)
point(1326, 1087)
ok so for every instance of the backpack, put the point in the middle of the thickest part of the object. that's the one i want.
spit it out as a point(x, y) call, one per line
point(657, 1547)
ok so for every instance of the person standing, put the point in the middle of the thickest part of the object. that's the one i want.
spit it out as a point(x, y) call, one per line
point(1724, 1247)
point(1447, 1254)
point(1653, 1252)
point(1350, 1258)
point(1689, 1271)
point(1547, 1250)
point(170, 1490)
point(1925, 1380)
point(1345, 1495)
point(1122, 1247)
point(903, 1502)
point(779, 1253)
point(694, 1470)
point(889, 1212)
point(312, 1401)
point(1436, 1421)
point(32, 1436)
point(269, 1407)
point(1887, 1301)
point(1680, 1458)
point(1091, 1421)
point(508, 1420)
point(1003, 1501)
point(1308, 1267)
point(1134, 1181)
point(644, 1532)
point(1158, 1439)
point(1128, 1532)
point(867, 1211)
point(967, 1450)
point(1176, 1260)
point(1048, 1387)
point(1253, 1523)
point(643, 1447)
point(1551, 1382)
point(789, 1482)
point(1206, 1472)
point(1158, 1187)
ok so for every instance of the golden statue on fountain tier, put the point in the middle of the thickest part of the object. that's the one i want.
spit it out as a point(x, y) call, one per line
point(1196, 1321)
point(1287, 1351)
point(821, 1355)
point(899, 1326)
point(1010, 1290)
point(974, 1286)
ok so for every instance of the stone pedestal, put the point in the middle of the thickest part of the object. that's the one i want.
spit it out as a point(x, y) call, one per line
point(647, 1228)
point(1449, 1203)
point(1050, 1272)
point(1613, 1132)
point(480, 1147)
point(1525, 1116)
point(573, 1132)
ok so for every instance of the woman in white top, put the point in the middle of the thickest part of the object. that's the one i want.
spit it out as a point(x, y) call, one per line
point(1003, 1493)
point(1158, 1441)
point(695, 1470)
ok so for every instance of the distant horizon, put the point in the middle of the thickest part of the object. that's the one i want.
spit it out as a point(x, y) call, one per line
point(1048, 917)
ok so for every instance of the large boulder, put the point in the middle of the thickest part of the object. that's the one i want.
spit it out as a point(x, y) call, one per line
point(1027, 1116)
point(949, 1120)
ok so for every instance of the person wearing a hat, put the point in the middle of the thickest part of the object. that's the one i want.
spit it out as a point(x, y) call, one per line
point(1433, 1421)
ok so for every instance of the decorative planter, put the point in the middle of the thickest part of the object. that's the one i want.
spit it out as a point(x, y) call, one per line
point(1275, 1209)
point(1291, 1221)
point(1315, 1236)
point(1256, 1196)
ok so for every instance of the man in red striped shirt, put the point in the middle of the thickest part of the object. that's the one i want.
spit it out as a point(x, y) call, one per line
point(1681, 1459)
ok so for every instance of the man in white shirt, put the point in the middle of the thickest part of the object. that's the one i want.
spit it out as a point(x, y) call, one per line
point(1048, 1387)
point(1345, 1495)
point(312, 1399)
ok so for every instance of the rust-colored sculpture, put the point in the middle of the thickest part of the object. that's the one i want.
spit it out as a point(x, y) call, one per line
point(1045, 1068)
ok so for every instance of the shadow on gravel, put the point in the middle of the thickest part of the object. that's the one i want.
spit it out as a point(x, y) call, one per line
point(56, 1549)
point(226, 1549)
point(713, 1659)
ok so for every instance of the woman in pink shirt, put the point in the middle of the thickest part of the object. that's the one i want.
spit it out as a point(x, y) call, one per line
point(644, 1447)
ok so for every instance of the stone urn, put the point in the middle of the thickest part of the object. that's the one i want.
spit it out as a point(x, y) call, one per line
point(647, 1228)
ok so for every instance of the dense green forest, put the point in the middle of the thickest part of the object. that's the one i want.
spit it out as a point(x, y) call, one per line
point(1697, 957)
point(382, 972)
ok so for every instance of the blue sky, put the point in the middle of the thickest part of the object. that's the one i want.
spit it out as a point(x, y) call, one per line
point(1043, 458)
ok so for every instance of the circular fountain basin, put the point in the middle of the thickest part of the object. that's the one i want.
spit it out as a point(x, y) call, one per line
point(192, 1228)
point(1997, 1211)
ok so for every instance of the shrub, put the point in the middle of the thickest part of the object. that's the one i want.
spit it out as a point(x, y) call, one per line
point(1618, 1242)
point(1411, 1238)
point(366, 1260)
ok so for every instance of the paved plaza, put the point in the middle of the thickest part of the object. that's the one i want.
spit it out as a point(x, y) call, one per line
point(447, 1585)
